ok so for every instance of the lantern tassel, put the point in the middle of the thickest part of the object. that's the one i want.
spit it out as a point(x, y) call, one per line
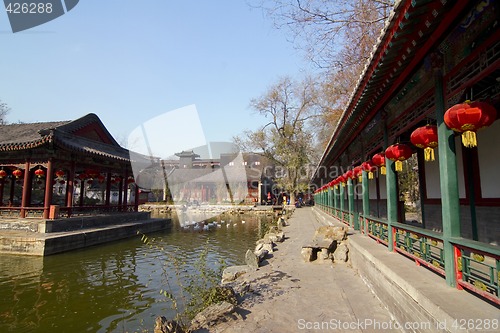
point(469, 139)
point(429, 154)
point(370, 175)
point(399, 165)
point(382, 170)
point(360, 179)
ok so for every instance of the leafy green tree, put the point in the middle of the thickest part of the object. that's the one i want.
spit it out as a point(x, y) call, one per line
point(287, 140)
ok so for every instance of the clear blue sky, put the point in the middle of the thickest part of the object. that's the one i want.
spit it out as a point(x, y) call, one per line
point(130, 61)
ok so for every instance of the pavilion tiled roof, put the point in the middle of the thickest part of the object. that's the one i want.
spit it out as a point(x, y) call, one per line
point(61, 133)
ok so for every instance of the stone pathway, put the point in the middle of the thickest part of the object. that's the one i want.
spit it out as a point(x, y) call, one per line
point(290, 295)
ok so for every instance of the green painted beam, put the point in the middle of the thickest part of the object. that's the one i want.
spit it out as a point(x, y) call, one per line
point(450, 204)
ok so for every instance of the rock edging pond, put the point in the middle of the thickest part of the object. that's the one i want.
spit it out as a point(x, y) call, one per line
point(232, 289)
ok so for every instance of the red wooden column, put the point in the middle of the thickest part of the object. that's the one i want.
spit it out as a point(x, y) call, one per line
point(2, 183)
point(26, 188)
point(108, 190)
point(120, 193)
point(125, 189)
point(70, 188)
point(48, 189)
point(136, 203)
point(82, 191)
point(12, 188)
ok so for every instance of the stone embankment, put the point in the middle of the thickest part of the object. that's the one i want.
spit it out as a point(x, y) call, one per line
point(212, 209)
point(281, 289)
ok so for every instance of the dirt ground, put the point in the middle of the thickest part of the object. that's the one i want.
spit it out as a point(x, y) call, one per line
point(289, 295)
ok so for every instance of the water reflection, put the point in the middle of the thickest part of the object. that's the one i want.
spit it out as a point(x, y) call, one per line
point(113, 287)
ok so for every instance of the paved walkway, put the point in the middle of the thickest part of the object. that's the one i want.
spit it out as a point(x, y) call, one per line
point(290, 295)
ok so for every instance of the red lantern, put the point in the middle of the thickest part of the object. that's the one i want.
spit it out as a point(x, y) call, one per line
point(17, 173)
point(369, 167)
point(398, 153)
point(358, 172)
point(426, 137)
point(101, 179)
point(130, 180)
point(3, 173)
point(118, 179)
point(60, 173)
point(82, 176)
point(342, 180)
point(92, 173)
point(379, 160)
point(39, 172)
point(469, 117)
point(349, 175)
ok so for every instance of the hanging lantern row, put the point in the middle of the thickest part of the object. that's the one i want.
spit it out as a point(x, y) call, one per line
point(469, 117)
point(466, 118)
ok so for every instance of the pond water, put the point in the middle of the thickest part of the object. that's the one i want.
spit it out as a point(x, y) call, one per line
point(113, 287)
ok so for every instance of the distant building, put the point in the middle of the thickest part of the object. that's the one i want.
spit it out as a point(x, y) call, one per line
point(231, 178)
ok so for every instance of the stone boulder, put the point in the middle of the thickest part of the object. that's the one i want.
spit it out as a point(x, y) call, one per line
point(251, 259)
point(331, 232)
point(213, 315)
point(275, 237)
point(231, 273)
point(281, 222)
point(308, 254)
point(162, 325)
point(340, 253)
point(265, 241)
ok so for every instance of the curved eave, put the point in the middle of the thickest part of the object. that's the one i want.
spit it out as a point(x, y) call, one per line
point(92, 148)
point(26, 145)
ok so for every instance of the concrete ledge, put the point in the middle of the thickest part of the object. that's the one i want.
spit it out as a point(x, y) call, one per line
point(82, 222)
point(39, 244)
point(415, 294)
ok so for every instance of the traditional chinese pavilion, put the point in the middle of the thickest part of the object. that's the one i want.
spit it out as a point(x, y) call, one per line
point(414, 162)
point(63, 168)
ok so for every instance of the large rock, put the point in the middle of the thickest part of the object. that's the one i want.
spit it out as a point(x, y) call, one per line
point(231, 273)
point(275, 237)
point(308, 254)
point(265, 241)
point(331, 232)
point(162, 325)
point(261, 251)
point(281, 222)
point(340, 254)
point(251, 259)
point(324, 255)
point(212, 315)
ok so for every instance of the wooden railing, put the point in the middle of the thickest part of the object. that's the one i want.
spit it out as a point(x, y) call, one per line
point(37, 212)
point(477, 265)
